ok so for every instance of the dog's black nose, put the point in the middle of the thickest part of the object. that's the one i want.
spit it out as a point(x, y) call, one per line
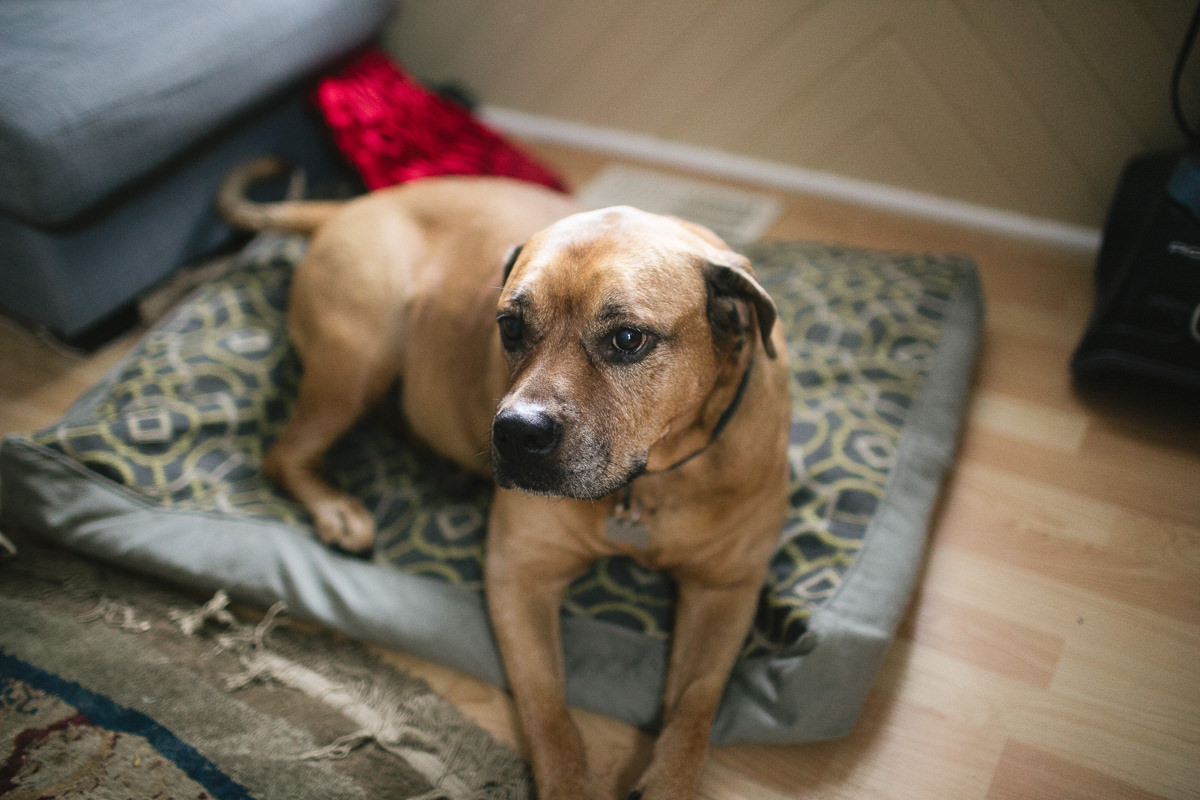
point(525, 430)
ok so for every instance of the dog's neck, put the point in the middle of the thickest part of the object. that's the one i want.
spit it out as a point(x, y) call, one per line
point(722, 420)
point(719, 426)
point(625, 522)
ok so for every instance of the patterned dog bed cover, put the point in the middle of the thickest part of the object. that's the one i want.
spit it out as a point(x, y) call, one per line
point(158, 468)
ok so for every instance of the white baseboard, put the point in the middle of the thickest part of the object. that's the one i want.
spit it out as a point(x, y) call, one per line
point(786, 177)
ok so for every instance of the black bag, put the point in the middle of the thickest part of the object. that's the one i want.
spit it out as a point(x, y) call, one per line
point(1146, 319)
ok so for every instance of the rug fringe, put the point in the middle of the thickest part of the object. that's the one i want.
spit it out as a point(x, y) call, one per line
point(216, 609)
point(385, 718)
point(115, 614)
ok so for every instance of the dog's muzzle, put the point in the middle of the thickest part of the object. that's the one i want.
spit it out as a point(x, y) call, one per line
point(533, 450)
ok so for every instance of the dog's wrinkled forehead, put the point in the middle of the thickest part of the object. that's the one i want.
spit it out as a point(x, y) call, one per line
point(607, 256)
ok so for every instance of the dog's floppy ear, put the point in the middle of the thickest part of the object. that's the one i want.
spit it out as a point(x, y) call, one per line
point(510, 258)
point(732, 277)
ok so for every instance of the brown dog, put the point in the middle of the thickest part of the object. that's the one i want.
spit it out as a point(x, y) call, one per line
point(620, 375)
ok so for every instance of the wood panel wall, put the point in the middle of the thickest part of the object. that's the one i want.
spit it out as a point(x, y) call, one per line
point(1030, 106)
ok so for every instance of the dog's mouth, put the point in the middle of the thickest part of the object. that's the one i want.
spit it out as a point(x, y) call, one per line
point(533, 452)
point(555, 481)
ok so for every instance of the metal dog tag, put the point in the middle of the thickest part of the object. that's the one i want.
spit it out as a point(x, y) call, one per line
point(624, 530)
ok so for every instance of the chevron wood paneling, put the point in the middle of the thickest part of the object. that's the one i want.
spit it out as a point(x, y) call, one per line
point(1025, 105)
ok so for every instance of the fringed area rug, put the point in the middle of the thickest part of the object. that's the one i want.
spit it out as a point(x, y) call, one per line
point(113, 686)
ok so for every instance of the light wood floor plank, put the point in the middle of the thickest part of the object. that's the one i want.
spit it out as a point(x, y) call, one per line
point(1151, 479)
point(1027, 773)
point(985, 640)
point(1142, 559)
point(1034, 423)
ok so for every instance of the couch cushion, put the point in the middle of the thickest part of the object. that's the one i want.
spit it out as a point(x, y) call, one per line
point(94, 97)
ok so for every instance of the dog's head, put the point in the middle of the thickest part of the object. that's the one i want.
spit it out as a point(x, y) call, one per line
point(627, 335)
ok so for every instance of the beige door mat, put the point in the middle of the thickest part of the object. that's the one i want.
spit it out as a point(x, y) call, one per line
point(735, 215)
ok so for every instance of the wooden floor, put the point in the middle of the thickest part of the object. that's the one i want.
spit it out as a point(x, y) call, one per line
point(1053, 648)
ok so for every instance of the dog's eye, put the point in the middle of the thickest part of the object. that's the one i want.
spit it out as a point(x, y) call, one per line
point(628, 345)
point(511, 330)
point(628, 341)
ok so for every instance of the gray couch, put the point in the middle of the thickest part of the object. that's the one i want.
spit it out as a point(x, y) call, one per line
point(118, 118)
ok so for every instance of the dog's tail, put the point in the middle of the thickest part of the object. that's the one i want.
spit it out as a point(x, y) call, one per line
point(303, 216)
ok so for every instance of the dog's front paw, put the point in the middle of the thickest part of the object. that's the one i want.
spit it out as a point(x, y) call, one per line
point(344, 523)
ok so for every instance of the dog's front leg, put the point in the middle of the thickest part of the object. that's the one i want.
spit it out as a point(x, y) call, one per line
point(710, 629)
point(339, 384)
point(525, 588)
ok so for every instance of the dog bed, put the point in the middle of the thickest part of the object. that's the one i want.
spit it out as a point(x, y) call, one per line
point(157, 468)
